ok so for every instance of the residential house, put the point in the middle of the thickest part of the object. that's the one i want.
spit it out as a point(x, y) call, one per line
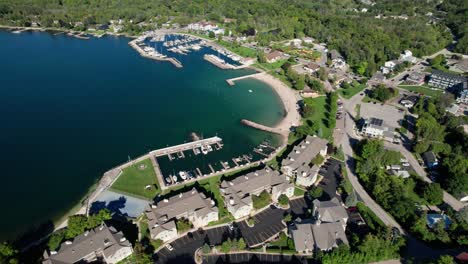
point(192, 205)
point(462, 258)
point(238, 192)
point(377, 78)
point(416, 78)
point(102, 244)
point(446, 81)
point(375, 127)
point(430, 159)
point(308, 40)
point(407, 55)
point(462, 65)
point(274, 56)
point(409, 101)
point(388, 67)
point(302, 154)
point(309, 236)
point(311, 67)
point(338, 61)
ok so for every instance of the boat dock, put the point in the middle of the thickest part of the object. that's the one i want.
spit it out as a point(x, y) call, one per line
point(262, 127)
point(218, 62)
point(134, 45)
point(185, 146)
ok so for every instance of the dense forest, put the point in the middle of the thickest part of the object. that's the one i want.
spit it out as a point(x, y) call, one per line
point(364, 40)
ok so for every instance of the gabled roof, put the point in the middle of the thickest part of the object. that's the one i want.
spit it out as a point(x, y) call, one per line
point(103, 238)
point(303, 153)
point(330, 211)
point(308, 235)
point(239, 189)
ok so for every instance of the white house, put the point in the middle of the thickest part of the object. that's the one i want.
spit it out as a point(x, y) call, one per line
point(374, 127)
point(407, 55)
point(388, 67)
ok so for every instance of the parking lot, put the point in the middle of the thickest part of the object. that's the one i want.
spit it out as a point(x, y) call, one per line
point(185, 247)
point(267, 224)
point(388, 113)
point(331, 172)
point(253, 258)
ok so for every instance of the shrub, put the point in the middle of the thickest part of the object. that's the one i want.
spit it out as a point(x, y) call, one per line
point(316, 192)
point(283, 200)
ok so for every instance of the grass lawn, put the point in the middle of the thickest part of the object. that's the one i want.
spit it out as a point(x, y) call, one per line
point(422, 89)
point(135, 178)
point(240, 50)
point(319, 115)
point(350, 92)
point(298, 191)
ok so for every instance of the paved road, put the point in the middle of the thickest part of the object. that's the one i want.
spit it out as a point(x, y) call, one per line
point(346, 142)
point(448, 198)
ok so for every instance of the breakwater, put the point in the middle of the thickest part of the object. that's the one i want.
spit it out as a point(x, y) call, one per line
point(143, 53)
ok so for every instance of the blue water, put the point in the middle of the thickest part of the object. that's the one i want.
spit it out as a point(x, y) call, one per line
point(70, 109)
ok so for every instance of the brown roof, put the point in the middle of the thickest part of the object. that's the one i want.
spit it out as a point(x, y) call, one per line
point(273, 55)
point(312, 66)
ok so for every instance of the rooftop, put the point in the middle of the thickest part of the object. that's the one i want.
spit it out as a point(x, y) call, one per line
point(303, 153)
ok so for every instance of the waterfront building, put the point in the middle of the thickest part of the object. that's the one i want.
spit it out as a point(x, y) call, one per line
point(102, 244)
point(192, 205)
point(302, 154)
point(238, 192)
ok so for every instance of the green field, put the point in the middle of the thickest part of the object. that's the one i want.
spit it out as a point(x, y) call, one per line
point(350, 92)
point(422, 89)
point(135, 178)
point(240, 50)
point(319, 116)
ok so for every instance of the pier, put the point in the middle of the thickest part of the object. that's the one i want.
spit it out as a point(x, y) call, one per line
point(232, 80)
point(134, 45)
point(215, 60)
point(263, 127)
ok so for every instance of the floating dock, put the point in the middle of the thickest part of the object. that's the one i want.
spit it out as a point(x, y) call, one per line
point(185, 146)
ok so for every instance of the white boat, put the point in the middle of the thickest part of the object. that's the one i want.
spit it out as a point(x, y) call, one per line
point(174, 178)
point(250, 91)
point(204, 150)
point(183, 175)
point(168, 180)
point(210, 148)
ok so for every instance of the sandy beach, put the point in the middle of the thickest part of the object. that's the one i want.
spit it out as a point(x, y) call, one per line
point(289, 97)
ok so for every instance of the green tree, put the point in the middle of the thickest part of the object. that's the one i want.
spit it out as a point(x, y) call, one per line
point(241, 244)
point(226, 246)
point(287, 218)
point(55, 240)
point(141, 256)
point(445, 259)
point(316, 192)
point(206, 248)
point(211, 34)
point(7, 253)
point(77, 224)
point(283, 200)
point(433, 193)
point(183, 225)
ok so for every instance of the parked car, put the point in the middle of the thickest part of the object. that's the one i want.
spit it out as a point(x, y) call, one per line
point(169, 247)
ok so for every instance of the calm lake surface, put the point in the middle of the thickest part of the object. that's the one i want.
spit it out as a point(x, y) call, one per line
point(71, 109)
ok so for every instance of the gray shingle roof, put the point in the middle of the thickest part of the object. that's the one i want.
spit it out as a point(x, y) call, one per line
point(101, 239)
point(303, 153)
point(308, 235)
point(240, 188)
point(330, 211)
point(169, 209)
